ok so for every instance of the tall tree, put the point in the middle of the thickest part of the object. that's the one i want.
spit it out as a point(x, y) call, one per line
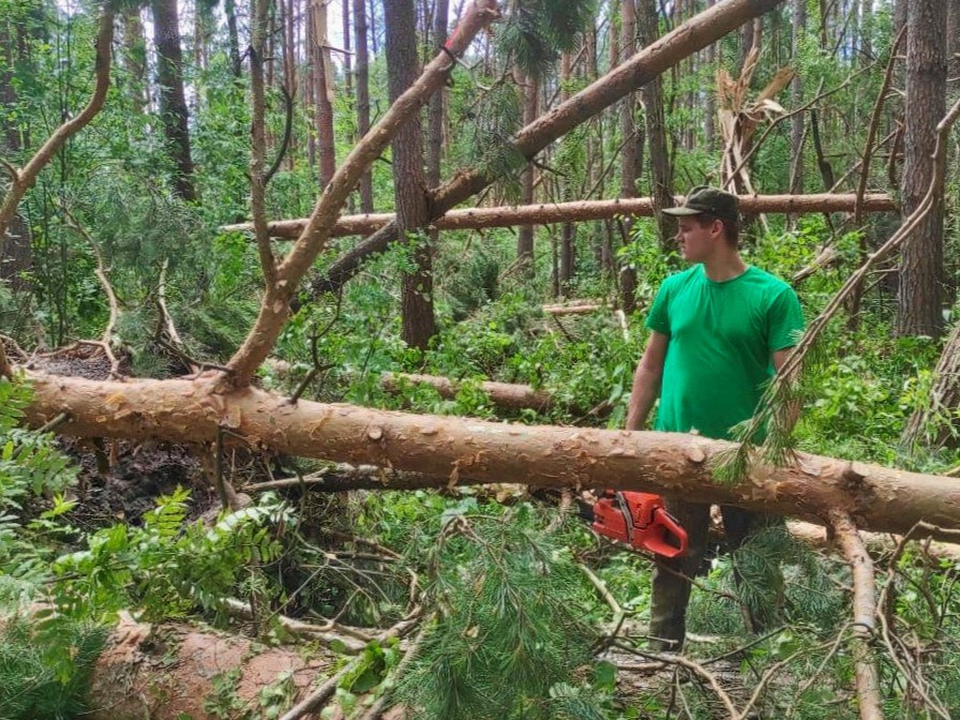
point(323, 91)
point(531, 97)
point(919, 309)
point(363, 95)
point(568, 231)
point(173, 105)
point(134, 56)
point(631, 141)
point(661, 173)
point(409, 182)
point(953, 45)
point(797, 127)
point(233, 37)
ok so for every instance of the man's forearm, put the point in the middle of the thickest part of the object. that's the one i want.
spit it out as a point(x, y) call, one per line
point(646, 390)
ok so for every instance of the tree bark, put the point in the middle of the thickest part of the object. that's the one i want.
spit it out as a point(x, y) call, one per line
point(409, 182)
point(233, 37)
point(134, 56)
point(577, 211)
point(169, 672)
point(953, 46)
point(631, 140)
point(323, 93)
point(797, 129)
point(568, 231)
point(473, 451)
point(363, 96)
point(173, 104)
point(509, 396)
point(531, 96)
point(920, 294)
point(693, 35)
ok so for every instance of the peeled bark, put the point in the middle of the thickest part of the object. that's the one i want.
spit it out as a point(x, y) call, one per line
point(505, 395)
point(577, 211)
point(473, 451)
point(693, 35)
point(169, 672)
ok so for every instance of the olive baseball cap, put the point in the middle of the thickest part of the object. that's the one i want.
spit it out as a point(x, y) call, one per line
point(713, 201)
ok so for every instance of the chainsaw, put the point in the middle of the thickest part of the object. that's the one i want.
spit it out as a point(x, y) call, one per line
point(639, 520)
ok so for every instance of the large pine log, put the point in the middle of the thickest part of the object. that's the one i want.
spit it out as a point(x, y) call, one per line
point(471, 451)
point(577, 211)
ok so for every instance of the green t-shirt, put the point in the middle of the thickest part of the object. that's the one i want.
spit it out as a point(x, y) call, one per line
point(722, 335)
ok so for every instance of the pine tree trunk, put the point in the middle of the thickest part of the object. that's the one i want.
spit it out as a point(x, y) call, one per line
point(233, 37)
point(568, 231)
point(710, 119)
point(409, 183)
point(630, 139)
point(173, 104)
point(323, 91)
point(363, 96)
point(652, 94)
point(531, 96)
point(134, 56)
point(467, 450)
point(348, 55)
point(953, 46)
point(797, 133)
point(920, 295)
point(373, 28)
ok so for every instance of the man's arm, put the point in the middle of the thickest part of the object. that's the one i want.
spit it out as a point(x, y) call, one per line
point(646, 380)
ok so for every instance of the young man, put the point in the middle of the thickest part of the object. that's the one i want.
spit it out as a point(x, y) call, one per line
point(718, 332)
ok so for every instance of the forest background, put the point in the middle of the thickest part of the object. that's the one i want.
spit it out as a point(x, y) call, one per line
point(136, 233)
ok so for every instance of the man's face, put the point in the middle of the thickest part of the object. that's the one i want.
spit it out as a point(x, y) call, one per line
point(698, 241)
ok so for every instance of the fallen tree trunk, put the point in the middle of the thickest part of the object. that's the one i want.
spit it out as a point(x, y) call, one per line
point(174, 670)
point(576, 211)
point(471, 451)
point(505, 395)
point(695, 34)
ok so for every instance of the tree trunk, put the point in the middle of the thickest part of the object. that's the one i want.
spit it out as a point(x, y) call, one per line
point(953, 46)
point(797, 133)
point(363, 96)
point(435, 113)
point(173, 104)
point(920, 295)
point(661, 174)
point(577, 211)
point(233, 37)
point(16, 251)
point(323, 93)
point(697, 33)
point(134, 56)
point(171, 671)
point(504, 395)
point(531, 96)
point(710, 119)
point(472, 451)
point(347, 56)
point(409, 183)
point(568, 232)
point(631, 140)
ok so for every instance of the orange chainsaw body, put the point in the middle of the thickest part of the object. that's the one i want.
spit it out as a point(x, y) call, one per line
point(640, 520)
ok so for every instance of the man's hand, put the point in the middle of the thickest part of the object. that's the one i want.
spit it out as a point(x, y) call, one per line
point(646, 380)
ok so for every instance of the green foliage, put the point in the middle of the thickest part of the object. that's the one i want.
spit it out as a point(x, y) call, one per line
point(166, 568)
point(534, 33)
point(506, 600)
point(45, 668)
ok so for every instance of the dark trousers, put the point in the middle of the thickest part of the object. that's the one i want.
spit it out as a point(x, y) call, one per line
point(671, 586)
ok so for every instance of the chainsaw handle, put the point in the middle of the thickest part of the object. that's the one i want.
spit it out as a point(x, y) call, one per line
point(670, 539)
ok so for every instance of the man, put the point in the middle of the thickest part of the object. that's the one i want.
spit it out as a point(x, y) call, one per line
point(718, 332)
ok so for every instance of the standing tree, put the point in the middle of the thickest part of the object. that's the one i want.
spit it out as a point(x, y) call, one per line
point(919, 308)
point(323, 90)
point(631, 140)
point(409, 182)
point(363, 96)
point(173, 104)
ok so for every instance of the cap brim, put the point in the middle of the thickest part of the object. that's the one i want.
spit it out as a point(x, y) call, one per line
point(682, 211)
